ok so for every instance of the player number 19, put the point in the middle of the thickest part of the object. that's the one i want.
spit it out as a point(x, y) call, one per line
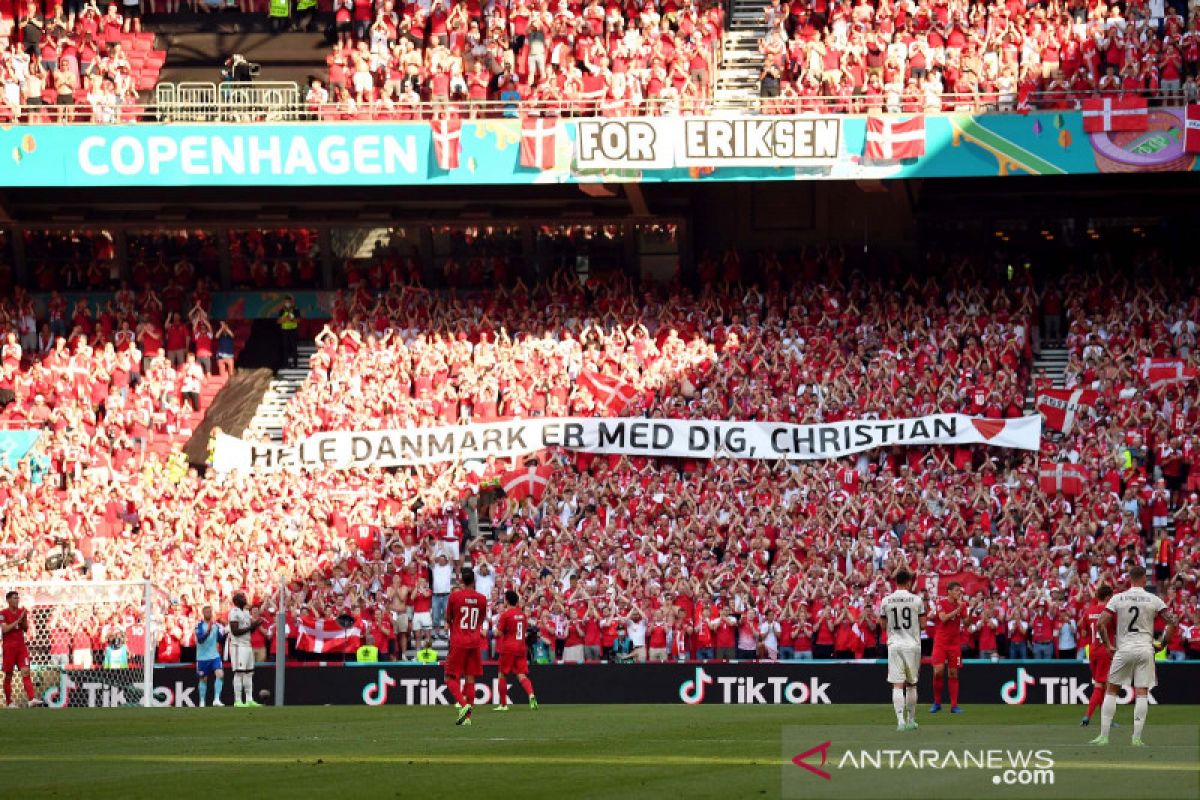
point(897, 613)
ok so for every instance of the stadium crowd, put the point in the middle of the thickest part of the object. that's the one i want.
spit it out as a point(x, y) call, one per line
point(964, 55)
point(704, 559)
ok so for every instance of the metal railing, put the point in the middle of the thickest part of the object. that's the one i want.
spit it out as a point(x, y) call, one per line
point(281, 102)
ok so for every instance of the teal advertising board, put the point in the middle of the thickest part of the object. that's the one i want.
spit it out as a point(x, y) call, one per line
point(401, 153)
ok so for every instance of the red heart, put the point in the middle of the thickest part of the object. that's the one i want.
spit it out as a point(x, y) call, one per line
point(988, 428)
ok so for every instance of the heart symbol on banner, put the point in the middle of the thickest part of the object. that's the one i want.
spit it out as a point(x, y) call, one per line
point(989, 428)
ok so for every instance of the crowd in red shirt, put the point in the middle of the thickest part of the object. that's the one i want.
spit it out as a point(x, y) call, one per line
point(968, 55)
point(718, 558)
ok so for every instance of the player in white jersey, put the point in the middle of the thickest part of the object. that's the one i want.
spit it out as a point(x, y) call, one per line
point(1135, 611)
point(241, 654)
point(902, 614)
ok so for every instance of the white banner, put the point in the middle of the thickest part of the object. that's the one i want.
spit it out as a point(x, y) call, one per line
point(663, 143)
point(626, 435)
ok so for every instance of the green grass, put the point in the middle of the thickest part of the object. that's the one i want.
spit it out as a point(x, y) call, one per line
point(671, 752)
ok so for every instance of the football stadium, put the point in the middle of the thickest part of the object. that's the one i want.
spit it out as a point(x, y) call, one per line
point(585, 398)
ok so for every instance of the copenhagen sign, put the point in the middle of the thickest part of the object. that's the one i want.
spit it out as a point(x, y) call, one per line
point(665, 438)
point(662, 143)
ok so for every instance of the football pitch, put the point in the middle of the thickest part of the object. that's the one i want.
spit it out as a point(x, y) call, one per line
point(625, 751)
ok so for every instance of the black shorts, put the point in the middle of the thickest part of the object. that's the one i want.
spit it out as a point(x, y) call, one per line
point(131, 12)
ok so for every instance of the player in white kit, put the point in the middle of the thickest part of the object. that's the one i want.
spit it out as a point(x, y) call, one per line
point(1133, 661)
point(241, 653)
point(902, 614)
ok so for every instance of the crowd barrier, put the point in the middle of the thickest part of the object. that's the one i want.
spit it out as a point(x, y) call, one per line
point(731, 683)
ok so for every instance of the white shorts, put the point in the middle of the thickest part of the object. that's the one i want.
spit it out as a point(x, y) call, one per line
point(904, 663)
point(241, 658)
point(449, 548)
point(82, 659)
point(1133, 668)
point(422, 621)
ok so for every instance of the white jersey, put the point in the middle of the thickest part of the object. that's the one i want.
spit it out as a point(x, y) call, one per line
point(1135, 610)
point(902, 612)
point(239, 617)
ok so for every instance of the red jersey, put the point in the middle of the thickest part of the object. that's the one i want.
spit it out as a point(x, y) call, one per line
point(948, 633)
point(465, 610)
point(512, 627)
point(1091, 625)
point(15, 636)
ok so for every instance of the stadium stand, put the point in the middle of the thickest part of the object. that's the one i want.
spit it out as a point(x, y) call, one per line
point(731, 557)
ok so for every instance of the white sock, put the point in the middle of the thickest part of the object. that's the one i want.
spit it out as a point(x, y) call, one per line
point(1108, 709)
point(248, 686)
point(898, 704)
point(910, 696)
point(237, 687)
point(1141, 705)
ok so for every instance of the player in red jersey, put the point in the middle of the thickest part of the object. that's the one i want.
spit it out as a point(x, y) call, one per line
point(512, 628)
point(465, 610)
point(1099, 656)
point(947, 646)
point(14, 623)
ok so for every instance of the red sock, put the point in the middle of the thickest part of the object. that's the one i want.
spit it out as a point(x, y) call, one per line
point(954, 691)
point(527, 686)
point(503, 690)
point(452, 685)
point(938, 680)
point(468, 692)
point(7, 687)
point(25, 679)
point(1095, 701)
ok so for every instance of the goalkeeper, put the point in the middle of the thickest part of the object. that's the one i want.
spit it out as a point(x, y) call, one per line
point(209, 636)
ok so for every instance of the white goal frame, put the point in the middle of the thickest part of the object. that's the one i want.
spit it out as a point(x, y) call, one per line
point(73, 593)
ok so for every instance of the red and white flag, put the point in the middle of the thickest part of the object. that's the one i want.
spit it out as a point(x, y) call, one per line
point(890, 139)
point(1162, 372)
point(612, 394)
point(1060, 407)
point(1066, 478)
point(1115, 114)
point(531, 482)
point(537, 142)
point(447, 141)
point(326, 636)
point(1191, 136)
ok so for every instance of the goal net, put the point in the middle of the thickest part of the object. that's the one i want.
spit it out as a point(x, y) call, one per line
point(91, 644)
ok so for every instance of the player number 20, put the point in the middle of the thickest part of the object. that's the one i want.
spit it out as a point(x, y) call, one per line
point(469, 619)
point(897, 614)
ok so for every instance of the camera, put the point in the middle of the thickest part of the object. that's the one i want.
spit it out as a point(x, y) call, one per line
point(239, 70)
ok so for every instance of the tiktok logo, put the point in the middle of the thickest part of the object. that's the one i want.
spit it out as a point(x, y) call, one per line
point(692, 692)
point(376, 692)
point(1014, 692)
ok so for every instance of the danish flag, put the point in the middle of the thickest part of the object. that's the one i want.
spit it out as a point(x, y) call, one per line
point(1115, 114)
point(531, 482)
point(1060, 406)
point(537, 142)
point(1191, 135)
point(326, 636)
point(1065, 478)
point(447, 141)
point(893, 139)
point(1161, 372)
point(612, 394)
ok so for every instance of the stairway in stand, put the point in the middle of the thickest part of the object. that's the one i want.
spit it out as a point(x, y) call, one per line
point(269, 416)
point(737, 81)
point(1052, 361)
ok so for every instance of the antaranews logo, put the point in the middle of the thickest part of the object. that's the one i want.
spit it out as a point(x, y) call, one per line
point(801, 760)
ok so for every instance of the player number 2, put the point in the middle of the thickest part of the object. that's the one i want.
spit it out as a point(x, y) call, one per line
point(896, 615)
point(1133, 621)
point(469, 619)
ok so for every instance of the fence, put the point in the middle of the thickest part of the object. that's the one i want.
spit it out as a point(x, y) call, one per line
point(282, 102)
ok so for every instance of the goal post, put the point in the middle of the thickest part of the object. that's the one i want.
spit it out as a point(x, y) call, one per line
point(91, 643)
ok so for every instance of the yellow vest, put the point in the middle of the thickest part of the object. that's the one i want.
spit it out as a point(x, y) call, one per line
point(367, 654)
point(427, 656)
point(288, 318)
point(278, 8)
